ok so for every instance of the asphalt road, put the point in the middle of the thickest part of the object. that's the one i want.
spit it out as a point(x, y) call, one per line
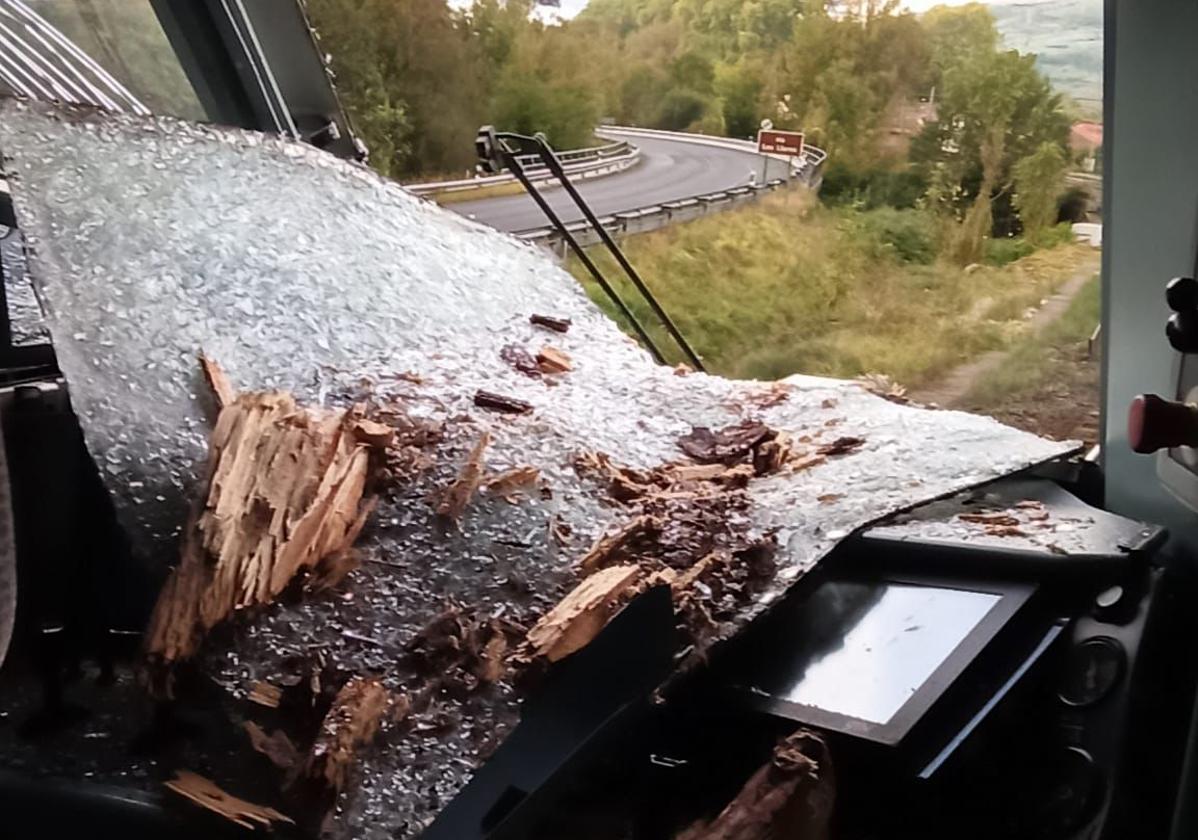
point(669, 170)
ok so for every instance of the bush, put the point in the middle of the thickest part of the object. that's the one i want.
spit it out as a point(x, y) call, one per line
point(872, 188)
point(911, 235)
point(1003, 251)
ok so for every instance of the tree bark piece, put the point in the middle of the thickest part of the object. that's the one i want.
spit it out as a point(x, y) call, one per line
point(727, 445)
point(458, 495)
point(560, 325)
point(790, 798)
point(284, 496)
point(578, 618)
point(841, 446)
point(351, 723)
point(207, 794)
point(500, 403)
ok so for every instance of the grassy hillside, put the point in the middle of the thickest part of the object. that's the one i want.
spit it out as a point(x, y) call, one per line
point(786, 287)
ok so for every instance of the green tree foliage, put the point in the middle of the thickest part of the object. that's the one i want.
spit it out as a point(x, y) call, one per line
point(1039, 182)
point(419, 78)
point(994, 109)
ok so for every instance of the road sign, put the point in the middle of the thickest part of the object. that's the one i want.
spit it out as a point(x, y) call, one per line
point(780, 142)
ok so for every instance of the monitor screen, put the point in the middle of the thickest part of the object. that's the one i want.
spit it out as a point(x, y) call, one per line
point(866, 647)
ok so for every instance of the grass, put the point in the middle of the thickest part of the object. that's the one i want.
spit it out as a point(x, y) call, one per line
point(493, 191)
point(787, 286)
point(1038, 359)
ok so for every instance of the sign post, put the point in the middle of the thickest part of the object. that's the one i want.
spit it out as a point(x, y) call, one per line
point(770, 142)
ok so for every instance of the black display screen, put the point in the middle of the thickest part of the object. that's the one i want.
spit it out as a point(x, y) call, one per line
point(890, 638)
point(870, 656)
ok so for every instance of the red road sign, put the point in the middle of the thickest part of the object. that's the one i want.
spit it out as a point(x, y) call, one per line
point(780, 142)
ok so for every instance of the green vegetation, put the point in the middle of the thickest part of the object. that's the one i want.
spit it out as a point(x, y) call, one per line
point(937, 227)
point(1038, 359)
point(789, 286)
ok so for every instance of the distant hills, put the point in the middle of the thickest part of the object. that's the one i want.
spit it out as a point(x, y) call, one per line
point(1065, 35)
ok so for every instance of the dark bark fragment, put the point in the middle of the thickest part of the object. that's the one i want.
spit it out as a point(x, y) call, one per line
point(560, 325)
point(498, 402)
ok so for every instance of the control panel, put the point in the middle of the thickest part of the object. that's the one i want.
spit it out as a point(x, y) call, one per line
point(1168, 425)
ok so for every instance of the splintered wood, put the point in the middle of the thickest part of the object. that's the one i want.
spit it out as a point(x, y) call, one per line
point(458, 495)
point(284, 496)
point(222, 388)
point(790, 798)
point(350, 724)
point(551, 360)
point(508, 484)
point(207, 794)
point(578, 618)
point(276, 746)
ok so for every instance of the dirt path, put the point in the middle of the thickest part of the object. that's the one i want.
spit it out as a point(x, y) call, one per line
point(950, 390)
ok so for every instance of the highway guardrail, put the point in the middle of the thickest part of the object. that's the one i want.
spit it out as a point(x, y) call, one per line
point(806, 170)
point(579, 164)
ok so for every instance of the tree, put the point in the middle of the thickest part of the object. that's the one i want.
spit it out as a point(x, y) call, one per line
point(1039, 182)
point(958, 33)
point(996, 109)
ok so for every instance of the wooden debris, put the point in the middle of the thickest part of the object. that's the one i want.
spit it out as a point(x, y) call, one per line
point(458, 495)
point(806, 461)
point(728, 445)
point(508, 483)
point(620, 545)
point(284, 496)
point(521, 360)
point(560, 325)
point(841, 446)
point(276, 746)
point(551, 360)
point(829, 498)
point(771, 455)
point(999, 519)
point(221, 387)
point(883, 386)
point(351, 723)
point(373, 433)
point(498, 402)
point(683, 369)
point(790, 798)
point(578, 618)
point(777, 393)
point(461, 651)
point(265, 694)
point(830, 402)
point(1005, 531)
point(207, 794)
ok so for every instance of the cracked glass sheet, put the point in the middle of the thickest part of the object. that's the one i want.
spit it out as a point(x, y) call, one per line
point(1040, 517)
point(152, 238)
point(27, 325)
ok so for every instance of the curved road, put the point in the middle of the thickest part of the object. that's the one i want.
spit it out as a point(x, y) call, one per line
point(669, 170)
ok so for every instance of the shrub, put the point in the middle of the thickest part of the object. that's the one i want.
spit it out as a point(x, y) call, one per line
point(1007, 250)
point(911, 235)
point(871, 188)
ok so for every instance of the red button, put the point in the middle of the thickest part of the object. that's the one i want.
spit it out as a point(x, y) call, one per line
point(1154, 423)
